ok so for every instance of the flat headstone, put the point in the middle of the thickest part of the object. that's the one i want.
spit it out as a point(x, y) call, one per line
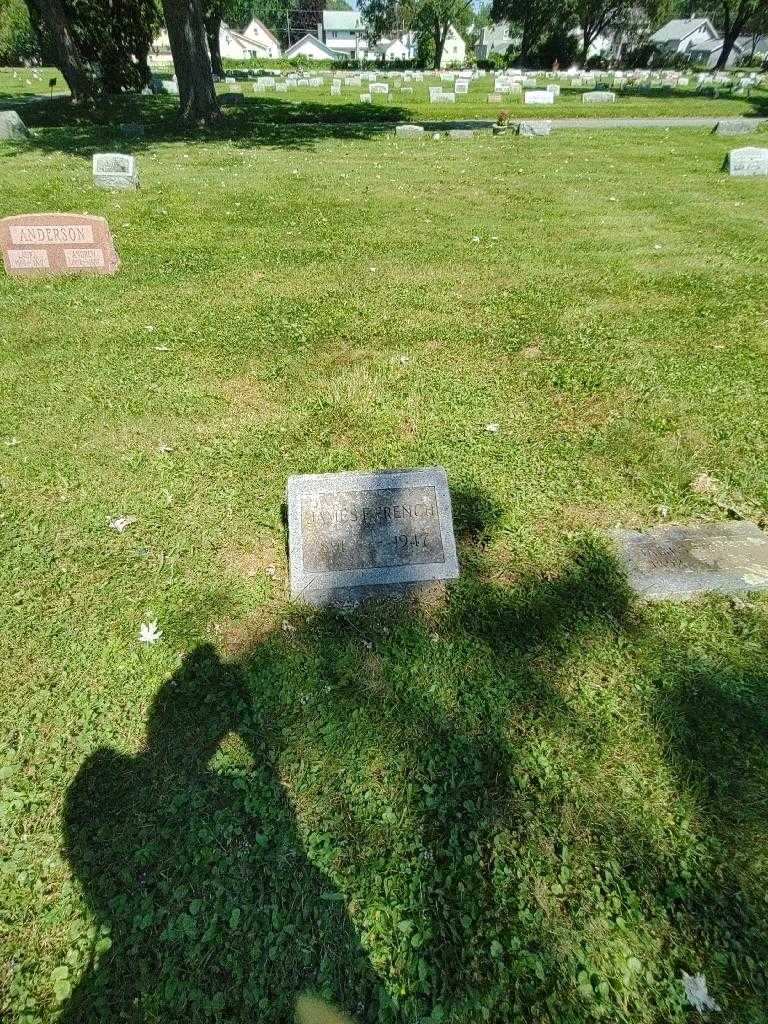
point(365, 97)
point(495, 97)
point(132, 131)
point(358, 535)
point(231, 99)
point(460, 133)
point(12, 128)
point(57, 243)
point(531, 129)
point(748, 162)
point(681, 561)
point(538, 96)
point(598, 96)
point(735, 126)
point(172, 88)
point(461, 88)
point(114, 170)
point(407, 131)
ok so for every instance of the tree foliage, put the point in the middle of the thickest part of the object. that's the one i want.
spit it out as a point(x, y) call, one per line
point(430, 19)
point(19, 42)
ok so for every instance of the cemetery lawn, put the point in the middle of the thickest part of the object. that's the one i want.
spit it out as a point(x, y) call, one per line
point(538, 800)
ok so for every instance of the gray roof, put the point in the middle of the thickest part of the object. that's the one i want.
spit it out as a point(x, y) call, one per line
point(342, 21)
point(712, 45)
point(679, 28)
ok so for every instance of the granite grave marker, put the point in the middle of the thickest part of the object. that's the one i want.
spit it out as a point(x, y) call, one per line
point(359, 535)
point(114, 170)
point(57, 243)
point(681, 561)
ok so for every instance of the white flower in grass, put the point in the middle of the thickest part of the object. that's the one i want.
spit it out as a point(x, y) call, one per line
point(696, 993)
point(121, 523)
point(149, 633)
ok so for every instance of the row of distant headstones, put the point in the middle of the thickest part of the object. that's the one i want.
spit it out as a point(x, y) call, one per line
point(119, 170)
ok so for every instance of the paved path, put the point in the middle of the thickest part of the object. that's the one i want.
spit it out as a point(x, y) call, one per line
point(599, 122)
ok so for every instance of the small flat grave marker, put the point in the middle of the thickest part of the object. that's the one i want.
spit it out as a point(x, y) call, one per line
point(531, 129)
point(748, 162)
point(408, 131)
point(538, 96)
point(358, 535)
point(57, 243)
point(681, 561)
point(735, 126)
point(598, 96)
point(114, 170)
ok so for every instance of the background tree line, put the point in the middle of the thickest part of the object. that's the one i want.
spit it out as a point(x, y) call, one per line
point(102, 46)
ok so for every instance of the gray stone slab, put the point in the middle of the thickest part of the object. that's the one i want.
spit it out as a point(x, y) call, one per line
point(132, 130)
point(747, 162)
point(357, 535)
point(12, 128)
point(407, 131)
point(114, 170)
point(682, 561)
point(736, 126)
point(530, 129)
point(461, 133)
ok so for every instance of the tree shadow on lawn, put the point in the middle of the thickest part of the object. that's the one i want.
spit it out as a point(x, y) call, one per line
point(419, 747)
point(61, 127)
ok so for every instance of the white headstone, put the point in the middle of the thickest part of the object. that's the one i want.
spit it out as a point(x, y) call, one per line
point(114, 170)
point(748, 162)
point(538, 97)
point(600, 96)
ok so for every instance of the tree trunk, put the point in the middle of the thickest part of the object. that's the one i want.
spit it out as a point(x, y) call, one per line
point(68, 56)
point(729, 38)
point(212, 30)
point(189, 47)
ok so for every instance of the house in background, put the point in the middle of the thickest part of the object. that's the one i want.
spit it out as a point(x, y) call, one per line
point(345, 32)
point(708, 53)
point(259, 32)
point(254, 41)
point(455, 49)
point(237, 46)
point(313, 48)
point(496, 39)
point(403, 47)
point(681, 35)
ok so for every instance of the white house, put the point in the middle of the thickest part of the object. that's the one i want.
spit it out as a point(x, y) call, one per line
point(254, 41)
point(708, 53)
point(455, 49)
point(259, 32)
point(345, 31)
point(404, 47)
point(311, 47)
point(681, 35)
point(237, 46)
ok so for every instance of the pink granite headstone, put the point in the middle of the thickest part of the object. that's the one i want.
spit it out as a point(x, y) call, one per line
point(57, 243)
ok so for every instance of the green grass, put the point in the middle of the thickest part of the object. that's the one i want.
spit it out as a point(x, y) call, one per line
point(535, 801)
point(29, 82)
point(306, 103)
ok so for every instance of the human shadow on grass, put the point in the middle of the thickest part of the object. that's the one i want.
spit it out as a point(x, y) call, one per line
point(419, 746)
point(58, 126)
